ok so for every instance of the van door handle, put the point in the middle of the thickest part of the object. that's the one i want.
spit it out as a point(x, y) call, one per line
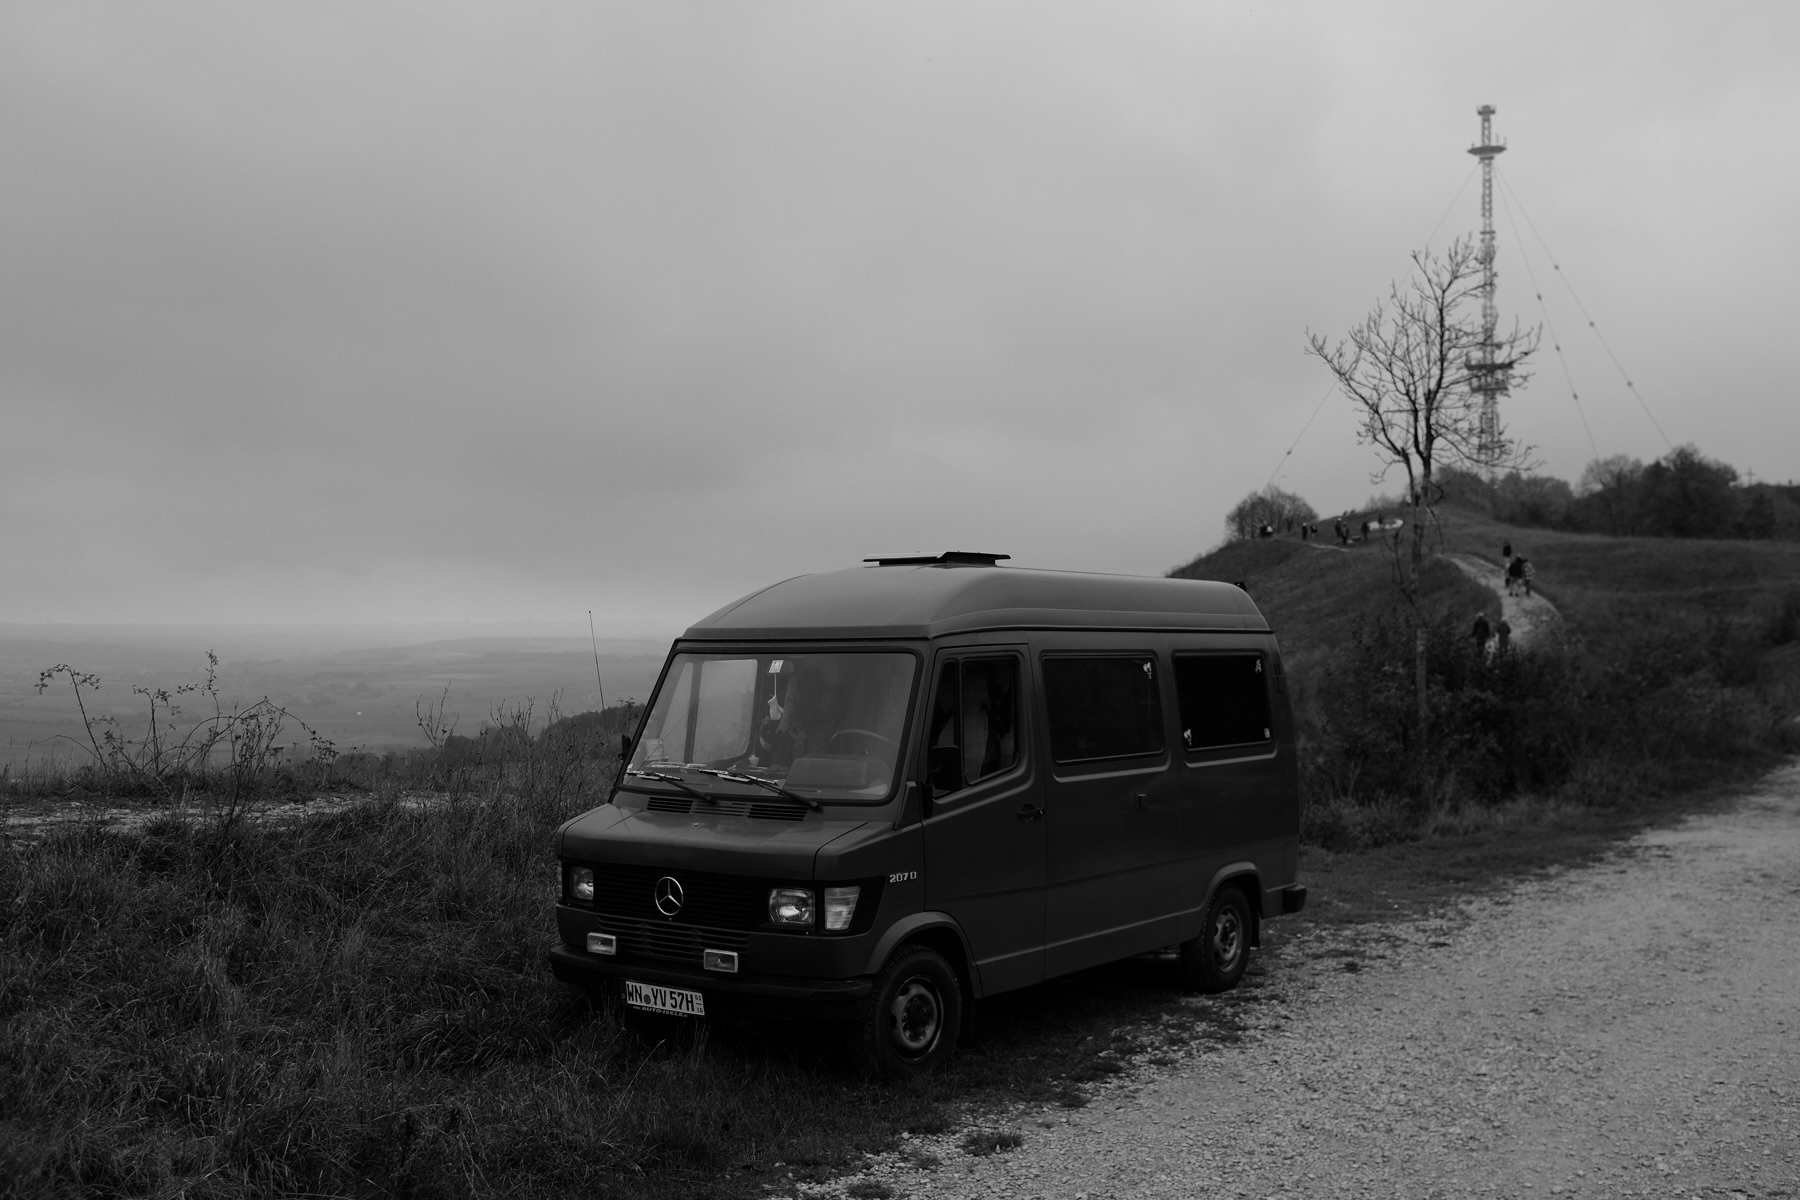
point(1030, 812)
point(1141, 798)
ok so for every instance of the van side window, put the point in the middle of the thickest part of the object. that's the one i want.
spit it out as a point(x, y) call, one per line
point(975, 710)
point(1102, 707)
point(1224, 700)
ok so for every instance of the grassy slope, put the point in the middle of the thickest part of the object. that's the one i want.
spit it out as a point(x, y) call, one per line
point(1606, 588)
point(1314, 594)
point(1601, 582)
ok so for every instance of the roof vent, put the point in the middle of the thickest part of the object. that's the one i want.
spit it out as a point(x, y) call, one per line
point(949, 558)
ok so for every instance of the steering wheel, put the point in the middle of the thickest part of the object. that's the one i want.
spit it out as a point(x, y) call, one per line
point(866, 733)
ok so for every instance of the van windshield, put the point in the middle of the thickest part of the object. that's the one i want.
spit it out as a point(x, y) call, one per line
point(818, 726)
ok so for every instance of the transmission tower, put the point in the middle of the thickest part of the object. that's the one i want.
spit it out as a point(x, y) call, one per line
point(1487, 374)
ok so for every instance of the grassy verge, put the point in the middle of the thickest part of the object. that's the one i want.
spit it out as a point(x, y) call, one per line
point(356, 1004)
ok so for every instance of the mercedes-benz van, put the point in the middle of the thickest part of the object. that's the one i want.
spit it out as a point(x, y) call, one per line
point(872, 796)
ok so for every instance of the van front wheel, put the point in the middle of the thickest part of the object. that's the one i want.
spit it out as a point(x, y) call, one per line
point(909, 1023)
point(1215, 961)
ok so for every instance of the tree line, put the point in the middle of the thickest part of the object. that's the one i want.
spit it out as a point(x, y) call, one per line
point(1683, 494)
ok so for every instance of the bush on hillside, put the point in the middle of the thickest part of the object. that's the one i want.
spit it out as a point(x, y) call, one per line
point(1674, 700)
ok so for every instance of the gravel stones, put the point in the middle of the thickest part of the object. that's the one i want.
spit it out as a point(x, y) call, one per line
point(1631, 1028)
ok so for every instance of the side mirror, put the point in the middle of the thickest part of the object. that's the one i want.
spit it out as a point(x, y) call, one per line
point(943, 769)
point(625, 746)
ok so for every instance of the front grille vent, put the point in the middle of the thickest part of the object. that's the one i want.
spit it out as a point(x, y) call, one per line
point(656, 941)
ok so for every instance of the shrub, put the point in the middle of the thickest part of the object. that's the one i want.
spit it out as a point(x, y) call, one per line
point(1674, 694)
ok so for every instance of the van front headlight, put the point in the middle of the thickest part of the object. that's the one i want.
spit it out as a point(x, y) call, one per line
point(581, 883)
point(791, 906)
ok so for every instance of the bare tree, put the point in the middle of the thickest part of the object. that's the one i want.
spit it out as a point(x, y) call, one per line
point(1412, 368)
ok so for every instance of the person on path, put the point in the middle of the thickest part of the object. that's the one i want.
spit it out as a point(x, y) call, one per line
point(1502, 636)
point(1525, 573)
point(1515, 575)
point(1482, 633)
point(1365, 531)
point(1506, 551)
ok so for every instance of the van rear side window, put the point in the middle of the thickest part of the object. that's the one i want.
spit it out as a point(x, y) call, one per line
point(1102, 707)
point(1224, 700)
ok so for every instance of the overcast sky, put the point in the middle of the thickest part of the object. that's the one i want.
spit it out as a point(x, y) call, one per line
point(440, 312)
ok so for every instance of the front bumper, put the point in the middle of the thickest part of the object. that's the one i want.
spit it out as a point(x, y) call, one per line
point(760, 995)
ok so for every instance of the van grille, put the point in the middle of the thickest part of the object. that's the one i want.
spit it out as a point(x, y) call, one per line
point(718, 901)
point(755, 810)
point(659, 941)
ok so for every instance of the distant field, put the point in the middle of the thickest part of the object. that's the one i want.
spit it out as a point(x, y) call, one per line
point(1605, 584)
point(358, 696)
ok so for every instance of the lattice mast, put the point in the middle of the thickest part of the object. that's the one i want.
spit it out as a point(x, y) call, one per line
point(1487, 374)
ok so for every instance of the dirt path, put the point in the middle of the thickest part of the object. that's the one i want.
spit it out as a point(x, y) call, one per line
point(27, 820)
point(1531, 617)
point(1631, 1028)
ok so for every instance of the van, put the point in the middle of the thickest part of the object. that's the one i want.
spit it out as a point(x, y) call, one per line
point(873, 796)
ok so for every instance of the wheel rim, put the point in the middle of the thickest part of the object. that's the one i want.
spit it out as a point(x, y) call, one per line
point(1227, 939)
point(915, 1017)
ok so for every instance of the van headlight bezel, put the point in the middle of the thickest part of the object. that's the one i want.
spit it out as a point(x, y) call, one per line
point(581, 884)
point(792, 908)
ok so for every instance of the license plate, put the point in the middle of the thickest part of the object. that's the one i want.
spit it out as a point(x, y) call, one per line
point(653, 997)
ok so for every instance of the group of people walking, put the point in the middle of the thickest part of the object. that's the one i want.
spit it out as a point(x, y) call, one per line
point(1496, 638)
point(1519, 572)
point(1308, 529)
point(1491, 639)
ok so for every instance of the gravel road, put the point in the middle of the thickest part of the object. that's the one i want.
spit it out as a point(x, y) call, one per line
point(1630, 1028)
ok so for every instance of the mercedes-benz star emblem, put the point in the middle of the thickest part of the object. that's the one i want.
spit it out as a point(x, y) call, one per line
point(668, 896)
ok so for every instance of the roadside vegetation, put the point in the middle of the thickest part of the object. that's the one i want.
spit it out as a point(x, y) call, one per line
point(231, 999)
point(1676, 665)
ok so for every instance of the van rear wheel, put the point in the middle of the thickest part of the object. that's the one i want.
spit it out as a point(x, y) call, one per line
point(1215, 960)
point(909, 1024)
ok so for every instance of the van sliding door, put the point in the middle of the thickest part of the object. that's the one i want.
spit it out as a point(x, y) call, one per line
point(1118, 868)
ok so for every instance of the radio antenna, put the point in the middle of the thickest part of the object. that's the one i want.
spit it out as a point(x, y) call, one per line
point(596, 644)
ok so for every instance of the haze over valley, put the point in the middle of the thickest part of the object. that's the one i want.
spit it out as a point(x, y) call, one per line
point(358, 686)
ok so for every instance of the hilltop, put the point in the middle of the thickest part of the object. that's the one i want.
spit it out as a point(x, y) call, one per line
point(1316, 592)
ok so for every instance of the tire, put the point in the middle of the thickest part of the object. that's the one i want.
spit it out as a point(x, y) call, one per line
point(909, 1024)
point(1215, 960)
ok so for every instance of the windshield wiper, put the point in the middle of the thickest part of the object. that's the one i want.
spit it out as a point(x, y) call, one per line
point(674, 781)
point(734, 777)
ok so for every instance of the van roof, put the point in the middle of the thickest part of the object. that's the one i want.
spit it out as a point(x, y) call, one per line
point(915, 600)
